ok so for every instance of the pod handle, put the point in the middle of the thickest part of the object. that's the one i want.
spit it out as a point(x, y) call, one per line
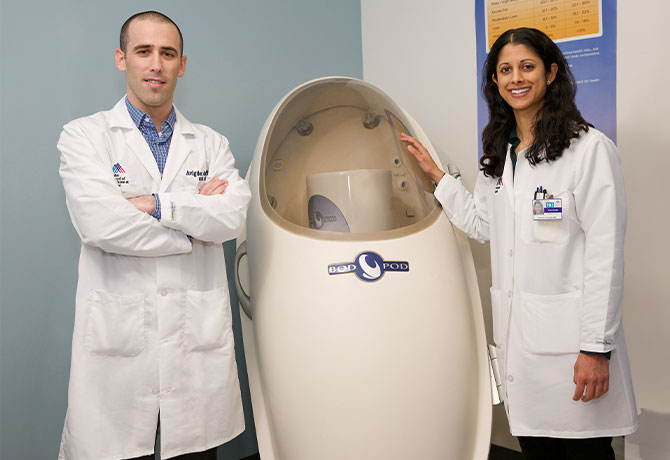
point(245, 299)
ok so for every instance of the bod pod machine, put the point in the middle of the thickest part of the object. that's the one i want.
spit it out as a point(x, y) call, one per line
point(362, 324)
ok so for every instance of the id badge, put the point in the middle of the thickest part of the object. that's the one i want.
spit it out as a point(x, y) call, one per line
point(551, 209)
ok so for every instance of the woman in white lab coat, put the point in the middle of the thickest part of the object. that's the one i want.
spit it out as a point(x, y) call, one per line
point(557, 274)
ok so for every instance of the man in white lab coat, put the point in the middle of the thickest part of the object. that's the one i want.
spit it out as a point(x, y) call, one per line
point(152, 197)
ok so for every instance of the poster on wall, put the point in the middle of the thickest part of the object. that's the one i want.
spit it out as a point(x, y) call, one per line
point(584, 30)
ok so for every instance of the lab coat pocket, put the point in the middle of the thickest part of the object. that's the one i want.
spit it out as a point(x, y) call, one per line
point(499, 309)
point(208, 319)
point(551, 323)
point(115, 324)
point(548, 231)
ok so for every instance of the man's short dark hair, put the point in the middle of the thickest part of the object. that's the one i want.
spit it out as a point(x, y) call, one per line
point(151, 16)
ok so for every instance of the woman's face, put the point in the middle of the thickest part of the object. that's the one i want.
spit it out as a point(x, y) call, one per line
point(522, 78)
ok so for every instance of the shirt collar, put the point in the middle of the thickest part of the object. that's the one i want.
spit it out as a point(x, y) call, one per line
point(140, 117)
point(514, 139)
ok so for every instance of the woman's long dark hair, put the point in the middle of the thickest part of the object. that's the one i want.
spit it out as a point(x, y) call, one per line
point(558, 121)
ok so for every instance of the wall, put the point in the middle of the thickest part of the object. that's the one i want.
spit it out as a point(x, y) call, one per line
point(644, 140)
point(423, 55)
point(58, 64)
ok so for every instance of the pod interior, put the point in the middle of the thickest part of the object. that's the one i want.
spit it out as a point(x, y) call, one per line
point(340, 126)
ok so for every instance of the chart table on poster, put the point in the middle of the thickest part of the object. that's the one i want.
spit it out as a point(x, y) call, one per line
point(561, 20)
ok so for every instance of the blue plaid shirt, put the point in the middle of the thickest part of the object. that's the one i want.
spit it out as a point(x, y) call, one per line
point(158, 143)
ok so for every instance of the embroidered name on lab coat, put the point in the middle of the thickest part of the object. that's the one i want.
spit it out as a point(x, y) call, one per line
point(201, 175)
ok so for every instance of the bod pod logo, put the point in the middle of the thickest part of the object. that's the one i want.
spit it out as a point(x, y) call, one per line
point(368, 266)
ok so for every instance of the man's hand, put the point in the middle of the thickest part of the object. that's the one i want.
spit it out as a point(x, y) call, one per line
point(147, 203)
point(214, 186)
point(592, 372)
point(144, 203)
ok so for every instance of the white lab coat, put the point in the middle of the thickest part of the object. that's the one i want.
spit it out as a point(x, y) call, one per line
point(152, 328)
point(557, 285)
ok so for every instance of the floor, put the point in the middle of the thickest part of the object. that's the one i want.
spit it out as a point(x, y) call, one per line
point(501, 453)
point(496, 453)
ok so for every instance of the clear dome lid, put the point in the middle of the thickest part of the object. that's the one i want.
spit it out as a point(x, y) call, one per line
point(333, 163)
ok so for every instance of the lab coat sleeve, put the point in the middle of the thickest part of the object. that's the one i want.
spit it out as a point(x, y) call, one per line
point(215, 218)
point(100, 214)
point(600, 204)
point(467, 212)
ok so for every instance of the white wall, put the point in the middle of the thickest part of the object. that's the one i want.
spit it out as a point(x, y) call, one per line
point(423, 54)
point(643, 102)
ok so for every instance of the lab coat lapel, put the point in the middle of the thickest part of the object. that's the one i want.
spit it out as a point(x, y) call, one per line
point(180, 149)
point(508, 179)
point(139, 146)
point(120, 118)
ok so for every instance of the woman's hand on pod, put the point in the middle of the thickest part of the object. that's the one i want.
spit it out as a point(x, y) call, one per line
point(426, 162)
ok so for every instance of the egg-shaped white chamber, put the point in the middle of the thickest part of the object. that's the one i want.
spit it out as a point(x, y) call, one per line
point(363, 329)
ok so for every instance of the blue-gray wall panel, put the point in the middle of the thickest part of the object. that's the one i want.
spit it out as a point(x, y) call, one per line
point(57, 64)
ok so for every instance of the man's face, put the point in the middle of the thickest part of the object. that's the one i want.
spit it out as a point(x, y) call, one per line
point(152, 63)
